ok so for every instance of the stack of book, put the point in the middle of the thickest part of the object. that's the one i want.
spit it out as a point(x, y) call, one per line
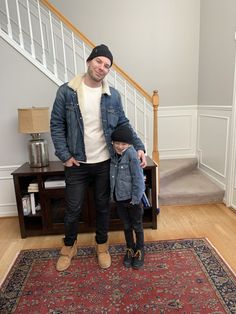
point(28, 201)
point(26, 205)
point(33, 187)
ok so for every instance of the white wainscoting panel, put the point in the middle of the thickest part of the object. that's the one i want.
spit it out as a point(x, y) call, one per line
point(233, 205)
point(213, 142)
point(177, 132)
point(7, 193)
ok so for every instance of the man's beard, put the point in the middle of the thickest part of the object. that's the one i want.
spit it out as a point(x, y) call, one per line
point(93, 77)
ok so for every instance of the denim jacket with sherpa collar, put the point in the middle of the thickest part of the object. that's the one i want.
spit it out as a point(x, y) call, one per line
point(126, 177)
point(67, 128)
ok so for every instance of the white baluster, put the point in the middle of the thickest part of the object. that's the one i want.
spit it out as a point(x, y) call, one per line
point(135, 109)
point(64, 52)
point(125, 97)
point(115, 79)
point(74, 52)
point(19, 24)
point(41, 33)
point(145, 122)
point(53, 46)
point(30, 29)
point(9, 29)
point(84, 58)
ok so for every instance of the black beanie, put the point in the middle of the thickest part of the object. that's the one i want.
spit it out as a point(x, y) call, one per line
point(100, 51)
point(122, 134)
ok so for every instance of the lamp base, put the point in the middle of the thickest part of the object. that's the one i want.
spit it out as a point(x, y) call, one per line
point(38, 153)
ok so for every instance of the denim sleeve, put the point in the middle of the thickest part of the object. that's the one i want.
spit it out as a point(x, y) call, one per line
point(138, 144)
point(138, 185)
point(58, 125)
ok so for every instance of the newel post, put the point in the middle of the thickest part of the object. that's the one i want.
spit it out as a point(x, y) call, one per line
point(155, 103)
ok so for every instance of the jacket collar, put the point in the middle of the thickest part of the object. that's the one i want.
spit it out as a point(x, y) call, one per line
point(76, 82)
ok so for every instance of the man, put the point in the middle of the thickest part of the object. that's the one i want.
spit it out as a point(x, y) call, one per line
point(85, 112)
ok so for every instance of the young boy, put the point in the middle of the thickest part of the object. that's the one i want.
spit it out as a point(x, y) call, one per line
point(127, 187)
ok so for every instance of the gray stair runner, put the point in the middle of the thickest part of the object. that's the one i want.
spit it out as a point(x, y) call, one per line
point(181, 182)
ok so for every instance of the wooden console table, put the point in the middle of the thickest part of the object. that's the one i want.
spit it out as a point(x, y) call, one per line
point(49, 219)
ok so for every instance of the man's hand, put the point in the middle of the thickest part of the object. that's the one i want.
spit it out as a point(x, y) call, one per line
point(142, 157)
point(70, 162)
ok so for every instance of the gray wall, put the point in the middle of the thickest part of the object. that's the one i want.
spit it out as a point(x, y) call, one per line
point(217, 52)
point(156, 42)
point(22, 85)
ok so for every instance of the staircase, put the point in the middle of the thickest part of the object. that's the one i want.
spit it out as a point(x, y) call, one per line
point(48, 40)
point(181, 183)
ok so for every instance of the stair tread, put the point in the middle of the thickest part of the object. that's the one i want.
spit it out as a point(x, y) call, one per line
point(176, 167)
point(193, 188)
point(191, 183)
point(167, 165)
point(181, 182)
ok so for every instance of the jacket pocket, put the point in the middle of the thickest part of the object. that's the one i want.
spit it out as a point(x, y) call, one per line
point(124, 171)
point(124, 182)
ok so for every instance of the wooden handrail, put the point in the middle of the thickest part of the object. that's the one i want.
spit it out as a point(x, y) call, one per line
point(89, 43)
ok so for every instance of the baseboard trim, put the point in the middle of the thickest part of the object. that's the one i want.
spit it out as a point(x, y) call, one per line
point(220, 184)
point(8, 210)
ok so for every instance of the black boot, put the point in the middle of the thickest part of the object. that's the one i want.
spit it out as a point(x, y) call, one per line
point(138, 259)
point(128, 258)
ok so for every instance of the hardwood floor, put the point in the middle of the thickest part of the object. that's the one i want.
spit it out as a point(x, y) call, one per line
point(215, 222)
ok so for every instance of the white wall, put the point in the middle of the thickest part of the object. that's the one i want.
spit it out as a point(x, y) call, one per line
point(216, 85)
point(155, 42)
point(217, 52)
point(22, 85)
point(213, 142)
point(177, 132)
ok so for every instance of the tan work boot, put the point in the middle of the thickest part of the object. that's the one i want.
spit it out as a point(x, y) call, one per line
point(67, 253)
point(104, 257)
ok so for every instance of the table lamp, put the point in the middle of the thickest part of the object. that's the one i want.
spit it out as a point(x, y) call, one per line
point(35, 121)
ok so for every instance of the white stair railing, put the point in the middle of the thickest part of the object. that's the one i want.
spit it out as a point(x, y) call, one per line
point(57, 49)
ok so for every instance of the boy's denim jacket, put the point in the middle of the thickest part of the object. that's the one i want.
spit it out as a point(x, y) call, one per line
point(67, 129)
point(126, 177)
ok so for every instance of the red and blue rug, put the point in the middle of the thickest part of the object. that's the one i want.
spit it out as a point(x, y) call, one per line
point(179, 276)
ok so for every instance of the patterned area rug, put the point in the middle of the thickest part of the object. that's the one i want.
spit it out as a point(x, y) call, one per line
point(179, 276)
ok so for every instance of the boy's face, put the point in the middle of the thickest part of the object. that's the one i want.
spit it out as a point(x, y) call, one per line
point(119, 147)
